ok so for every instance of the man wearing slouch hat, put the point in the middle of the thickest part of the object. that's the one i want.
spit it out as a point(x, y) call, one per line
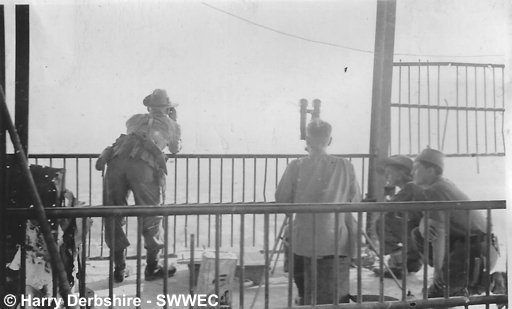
point(136, 163)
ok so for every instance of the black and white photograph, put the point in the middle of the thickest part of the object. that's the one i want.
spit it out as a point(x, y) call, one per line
point(255, 154)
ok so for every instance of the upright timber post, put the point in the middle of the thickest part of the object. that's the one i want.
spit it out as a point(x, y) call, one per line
point(3, 159)
point(380, 133)
point(21, 93)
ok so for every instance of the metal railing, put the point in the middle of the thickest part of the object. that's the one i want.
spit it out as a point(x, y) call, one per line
point(267, 210)
point(454, 107)
point(194, 179)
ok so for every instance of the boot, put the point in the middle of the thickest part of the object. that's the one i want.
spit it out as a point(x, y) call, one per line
point(154, 270)
point(120, 267)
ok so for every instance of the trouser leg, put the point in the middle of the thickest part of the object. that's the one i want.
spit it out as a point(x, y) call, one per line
point(476, 280)
point(325, 279)
point(116, 193)
point(145, 186)
point(418, 243)
point(298, 273)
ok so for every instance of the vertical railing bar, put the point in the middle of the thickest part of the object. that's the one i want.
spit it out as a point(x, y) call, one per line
point(426, 254)
point(476, 119)
point(166, 255)
point(254, 181)
point(428, 111)
point(198, 198)
point(175, 228)
point(232, 180)
point(489, 237)
point(405, 249)
point(381, 260)
point(467, 113)
point(314, 269)
point(126, 225)
point(457, 102)
point(186, 201)
point(23, 261)
point(359, 253)
point(419, 103)
point(138, 280)
point(221, 187)
point(242, 266)
point(51, 162)
point(209, 198)
point(111, 261)
point(192, 268)
point(265, 181)
point(503, 106)
point(363, 173)
point(103, 202)
point(275, 215)
point(291, 257)
point(243, 180)
point(267, 261)
point(198, 182)
point(446, 265)
point(399, 109)
point(217, 255)
point(467, 248)
point(254, 200)
point(77, 179)
point(485, 113)
point(90, 181)
point(232, 197)
point(336, 259)
point(409, 107)
point(494, 105)
point(439, 104)
point(90, 203)
point(221, 193)
point(83, 257)
point(277, 171)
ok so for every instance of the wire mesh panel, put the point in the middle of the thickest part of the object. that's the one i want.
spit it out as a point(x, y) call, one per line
point(457, 108)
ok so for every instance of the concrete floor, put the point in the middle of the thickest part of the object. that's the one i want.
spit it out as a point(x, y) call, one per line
point(278, 286)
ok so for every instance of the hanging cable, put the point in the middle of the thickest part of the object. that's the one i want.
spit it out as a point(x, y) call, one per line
point(342, 46)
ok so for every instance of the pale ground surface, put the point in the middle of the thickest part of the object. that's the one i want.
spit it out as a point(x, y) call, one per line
point(97, 272)
point(278, 286)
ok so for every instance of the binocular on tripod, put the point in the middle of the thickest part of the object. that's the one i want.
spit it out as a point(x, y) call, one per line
point(315, 113)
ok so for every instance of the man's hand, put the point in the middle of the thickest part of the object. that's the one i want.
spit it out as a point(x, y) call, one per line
point(432, 233)
point(173, 114)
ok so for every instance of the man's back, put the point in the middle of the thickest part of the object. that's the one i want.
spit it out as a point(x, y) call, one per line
point(322, 179)
point(445, 190)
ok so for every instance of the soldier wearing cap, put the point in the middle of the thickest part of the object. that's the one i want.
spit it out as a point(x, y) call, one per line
point(397, 171)
point(428, 172)
point(136, 163)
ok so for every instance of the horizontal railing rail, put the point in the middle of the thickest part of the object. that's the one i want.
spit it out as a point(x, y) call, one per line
point(254, 208)
point(243, 210)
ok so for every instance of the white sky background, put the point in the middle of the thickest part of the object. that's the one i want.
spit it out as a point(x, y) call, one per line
point(238, 85)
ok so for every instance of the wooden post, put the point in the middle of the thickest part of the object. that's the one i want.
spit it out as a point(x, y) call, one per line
point(3, 160)
point(380, 132)
point(21, 91)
